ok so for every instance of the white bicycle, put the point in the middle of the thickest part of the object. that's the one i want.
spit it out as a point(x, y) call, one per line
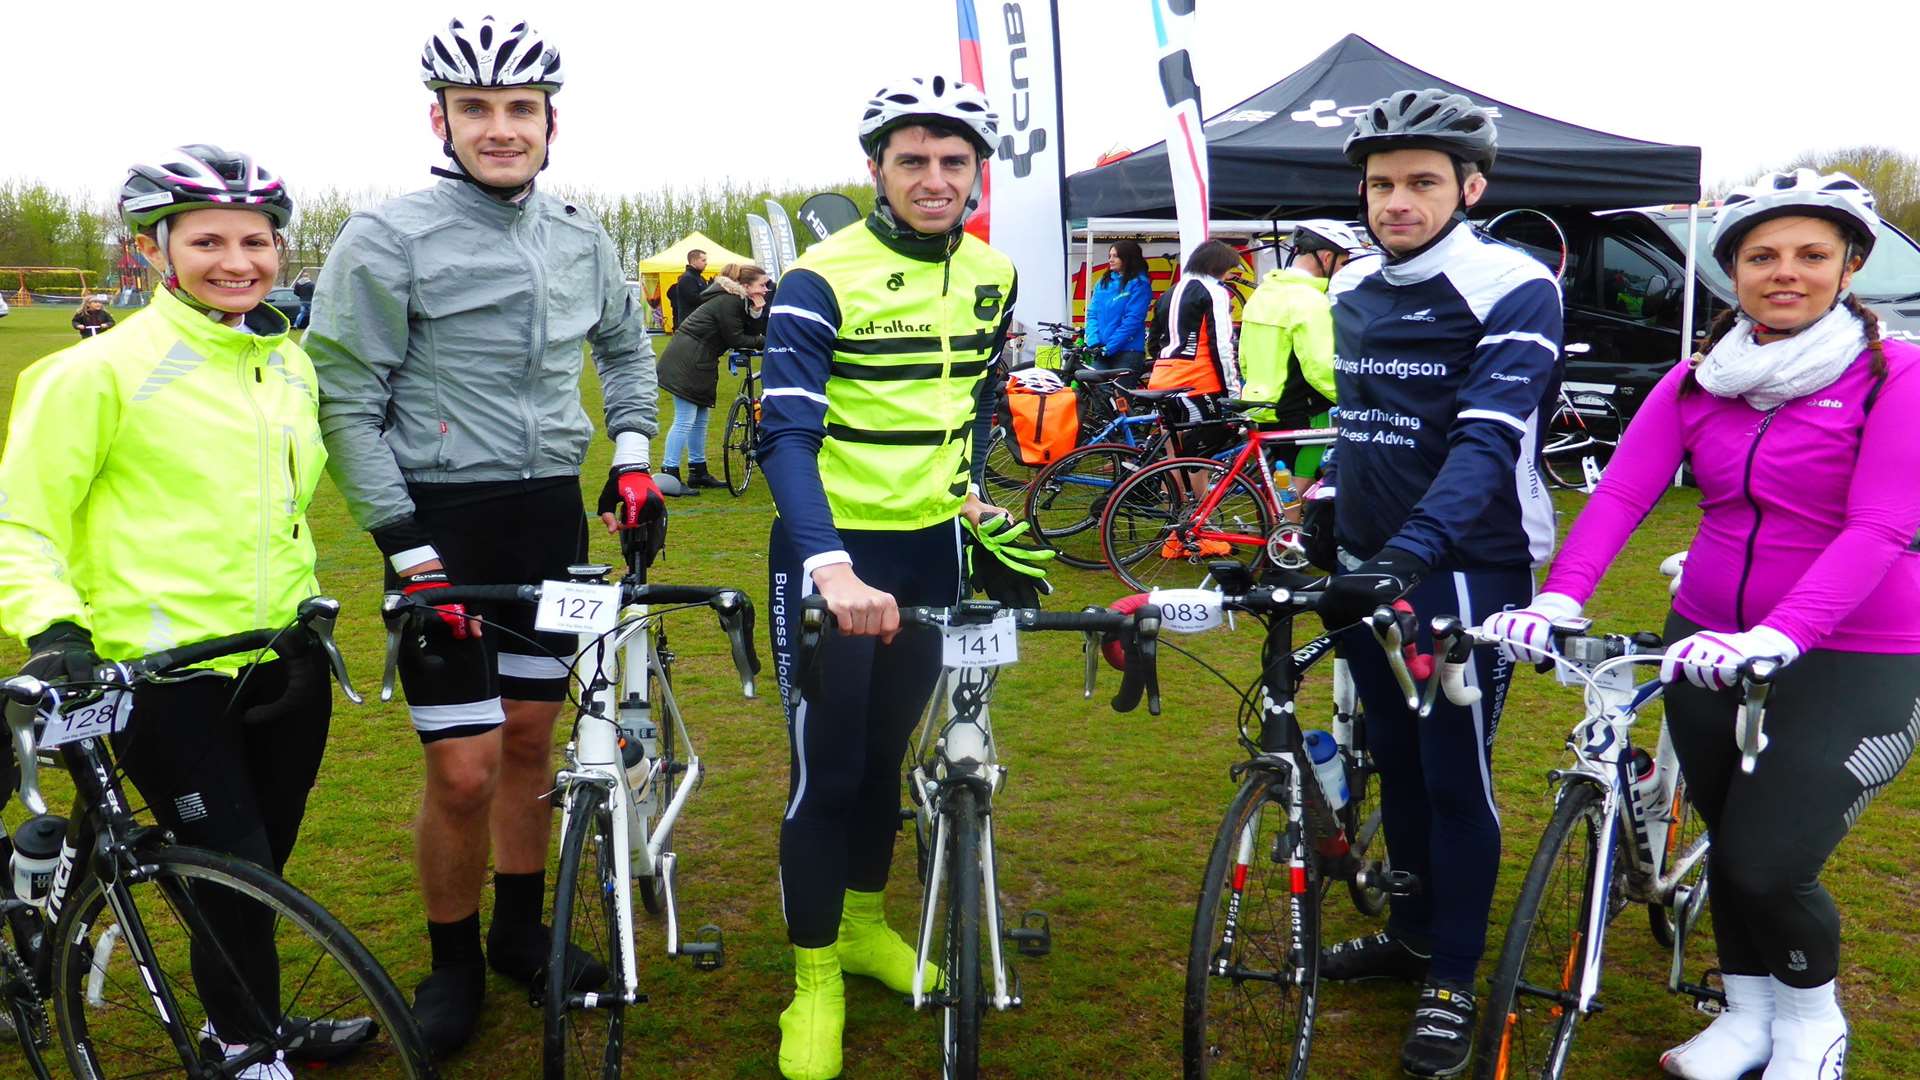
point(630, 768)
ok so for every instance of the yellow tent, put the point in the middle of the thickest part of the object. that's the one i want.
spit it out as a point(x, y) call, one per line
point(664, 267)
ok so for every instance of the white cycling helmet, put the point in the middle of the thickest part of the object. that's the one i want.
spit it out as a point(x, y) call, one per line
point(1326, 234)
point(913, 100)
point(1037, 380)
point(1835, 197)
point(490, 54)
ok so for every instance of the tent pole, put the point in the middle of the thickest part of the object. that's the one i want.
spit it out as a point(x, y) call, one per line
point(1686, 301)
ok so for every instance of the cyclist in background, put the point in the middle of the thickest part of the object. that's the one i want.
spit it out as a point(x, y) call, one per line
point(874, 440)
point(1286, 336)
point(156, 484)
point(1191, 343)
point(448, 329)
point(1117, 310)
point(1798, 424)
point(1444, 351)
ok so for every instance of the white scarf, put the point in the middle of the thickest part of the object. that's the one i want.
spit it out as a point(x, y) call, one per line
point(1770, 375)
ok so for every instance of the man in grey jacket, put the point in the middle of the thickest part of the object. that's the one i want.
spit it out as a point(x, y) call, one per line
point(447, 334)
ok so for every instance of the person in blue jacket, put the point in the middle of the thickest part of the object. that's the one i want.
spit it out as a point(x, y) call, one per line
point(1117, 311)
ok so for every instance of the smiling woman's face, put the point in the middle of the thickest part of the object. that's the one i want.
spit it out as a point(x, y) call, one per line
point(224, 258)
point(1787, 271)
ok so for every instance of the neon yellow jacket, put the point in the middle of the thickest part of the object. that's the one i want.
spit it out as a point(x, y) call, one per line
point(155, 483)
point(1287, 320)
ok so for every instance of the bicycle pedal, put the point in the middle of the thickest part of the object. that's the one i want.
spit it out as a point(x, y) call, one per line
point(1398, 882)
point(708, 949)
point(1034, 935)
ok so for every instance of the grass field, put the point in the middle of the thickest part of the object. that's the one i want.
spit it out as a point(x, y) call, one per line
point(1105, 823)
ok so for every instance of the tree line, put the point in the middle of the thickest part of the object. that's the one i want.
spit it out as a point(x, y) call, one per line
point(43, 226)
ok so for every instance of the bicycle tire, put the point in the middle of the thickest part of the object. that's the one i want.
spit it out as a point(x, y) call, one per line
point(583, 894)
point(738, 446)
point(962, 1005)
point(1563, 467)
point(1282, 941)
point(1005, 476)
point(180, 880)
point(1068, 497)
point(1143, 514)
point(1509, 1046)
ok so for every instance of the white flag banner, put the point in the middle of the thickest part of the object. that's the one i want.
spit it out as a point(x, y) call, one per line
point(1019, 44)
point(783, 245)
point(1186, 140)
point(760, 236)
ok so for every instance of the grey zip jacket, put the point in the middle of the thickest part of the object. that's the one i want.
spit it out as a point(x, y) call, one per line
point(446, 332)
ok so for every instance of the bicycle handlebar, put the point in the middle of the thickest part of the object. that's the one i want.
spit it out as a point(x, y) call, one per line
point(732, 606)
point(311, 628)
point(1138, 632)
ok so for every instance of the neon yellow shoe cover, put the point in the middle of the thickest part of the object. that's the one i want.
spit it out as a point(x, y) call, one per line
point(810, 1027)
point(868, 946)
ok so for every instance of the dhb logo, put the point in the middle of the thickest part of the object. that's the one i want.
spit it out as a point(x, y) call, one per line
point(896, 281)
point(1022, 103)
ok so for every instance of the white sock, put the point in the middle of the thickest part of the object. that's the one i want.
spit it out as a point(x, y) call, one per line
point(1809, 1034)
point(1738, 1041)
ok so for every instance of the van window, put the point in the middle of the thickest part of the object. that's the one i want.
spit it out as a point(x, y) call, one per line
point(1626, 280)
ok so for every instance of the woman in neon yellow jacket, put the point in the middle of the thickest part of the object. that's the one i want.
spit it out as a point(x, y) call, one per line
point(153, 493)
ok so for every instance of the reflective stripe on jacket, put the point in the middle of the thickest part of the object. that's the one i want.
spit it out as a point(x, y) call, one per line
point(155, 483)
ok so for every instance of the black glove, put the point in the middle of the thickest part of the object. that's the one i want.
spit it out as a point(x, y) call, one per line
point(62, 652)
point(1380, 580)
point(1316, 535)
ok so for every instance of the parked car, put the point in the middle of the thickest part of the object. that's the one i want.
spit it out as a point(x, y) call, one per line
point(1624, 284)
point(288, 303)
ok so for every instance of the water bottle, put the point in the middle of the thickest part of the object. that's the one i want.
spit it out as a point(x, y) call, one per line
point(1647, 801)
point(36, 852)
point(1328, 767)
point(639, 744)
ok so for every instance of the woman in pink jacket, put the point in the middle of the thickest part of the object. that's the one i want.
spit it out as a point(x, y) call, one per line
point(1799, 424)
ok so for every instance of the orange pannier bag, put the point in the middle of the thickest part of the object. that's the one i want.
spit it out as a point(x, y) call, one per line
point(1044, 427)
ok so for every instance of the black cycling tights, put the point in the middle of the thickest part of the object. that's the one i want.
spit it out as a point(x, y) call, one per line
point(1840, 726)
point(237, 788)
point(843, 808)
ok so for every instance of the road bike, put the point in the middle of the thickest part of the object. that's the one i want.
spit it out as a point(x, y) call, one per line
point(1581, 435)
point(130, 941)
point(740, 442)
point(631, 766)
point(955, 777)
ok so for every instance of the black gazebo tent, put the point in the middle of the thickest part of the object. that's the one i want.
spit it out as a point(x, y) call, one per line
point(1277, 154)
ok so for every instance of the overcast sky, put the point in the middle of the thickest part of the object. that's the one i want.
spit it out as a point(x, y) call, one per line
point(682, 92)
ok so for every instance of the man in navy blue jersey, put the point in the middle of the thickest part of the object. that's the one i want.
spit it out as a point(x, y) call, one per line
point(1444, 352)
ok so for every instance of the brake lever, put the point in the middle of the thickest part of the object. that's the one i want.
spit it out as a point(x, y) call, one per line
point(393, 612)
point(319, 615)
point(736, 618)
point(1756, 679)
point(1452, 647)
point(24, 694)
point(1386, 626)
point(1090, 650)
point(813, 625)
point(1142, 674)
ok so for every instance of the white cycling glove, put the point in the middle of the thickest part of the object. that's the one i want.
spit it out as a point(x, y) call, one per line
point(1709, 658)
point(1526, 634)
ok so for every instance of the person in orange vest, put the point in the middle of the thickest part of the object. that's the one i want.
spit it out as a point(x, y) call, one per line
point(1191, 343)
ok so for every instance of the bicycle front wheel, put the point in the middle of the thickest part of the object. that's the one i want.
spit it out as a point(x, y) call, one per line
point(1531, 1013)
point(1154, 536)
point(258, 969)
point(584, 1026)
point(1067, 499)
point(737, 447)
point(962, 1004)
point(1253, 966)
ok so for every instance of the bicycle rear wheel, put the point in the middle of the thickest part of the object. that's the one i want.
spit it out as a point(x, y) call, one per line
point(583, 1031)
point(1683, 831)
point(962, 1004)
point(1583, 427)
point(1006, 477)
point(316, 985)
point(738, 445)
point(1067, 499)
point(1151, 533)
point(1531, 1017)
point(1253, 965)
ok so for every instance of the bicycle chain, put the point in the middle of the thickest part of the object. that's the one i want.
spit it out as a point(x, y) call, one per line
point(22, 977)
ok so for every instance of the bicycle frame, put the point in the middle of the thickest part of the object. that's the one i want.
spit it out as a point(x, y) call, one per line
point(1251, 449)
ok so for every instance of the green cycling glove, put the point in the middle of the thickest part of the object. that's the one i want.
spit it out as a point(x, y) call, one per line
point(1010, 573)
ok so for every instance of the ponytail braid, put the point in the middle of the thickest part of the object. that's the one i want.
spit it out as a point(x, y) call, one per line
point(1870, 321)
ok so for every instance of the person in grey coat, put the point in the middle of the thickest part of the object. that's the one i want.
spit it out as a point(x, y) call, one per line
point(730, 316)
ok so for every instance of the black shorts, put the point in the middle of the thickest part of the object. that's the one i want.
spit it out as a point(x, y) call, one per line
point(492, 534)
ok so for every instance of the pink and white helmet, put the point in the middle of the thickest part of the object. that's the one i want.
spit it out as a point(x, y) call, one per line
point(199, 177)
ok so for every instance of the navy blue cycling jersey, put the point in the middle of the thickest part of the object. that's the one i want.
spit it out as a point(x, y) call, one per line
point(1441, 364)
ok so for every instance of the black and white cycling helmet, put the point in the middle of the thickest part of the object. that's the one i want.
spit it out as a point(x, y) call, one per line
point(199, 177)
point(1431, 119)
point(490, 54)
point(1326, 234)
point(1836, 197)
point(917, 100)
